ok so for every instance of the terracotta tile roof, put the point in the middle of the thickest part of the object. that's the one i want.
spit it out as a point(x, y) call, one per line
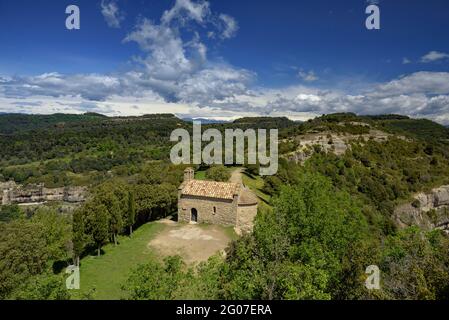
point(211, 189)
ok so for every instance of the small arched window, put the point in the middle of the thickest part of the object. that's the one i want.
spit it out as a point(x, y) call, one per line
point(215, 210)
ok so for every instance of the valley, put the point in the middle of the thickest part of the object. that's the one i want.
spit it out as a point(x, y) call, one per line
point(351, 191)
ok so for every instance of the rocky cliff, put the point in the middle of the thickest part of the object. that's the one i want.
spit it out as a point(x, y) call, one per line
point(427, 210)
point(11, 193)
point(336, 143)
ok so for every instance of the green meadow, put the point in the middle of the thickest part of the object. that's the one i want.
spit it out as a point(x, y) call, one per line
point(101, 277)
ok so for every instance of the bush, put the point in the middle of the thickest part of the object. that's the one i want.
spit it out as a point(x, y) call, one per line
point(218, 173)
point(9, 213)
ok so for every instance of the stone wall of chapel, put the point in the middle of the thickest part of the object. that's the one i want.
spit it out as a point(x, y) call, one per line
point(245, 218)
point(225, 213)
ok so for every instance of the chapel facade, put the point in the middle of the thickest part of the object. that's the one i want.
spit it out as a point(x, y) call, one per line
point(221, 203)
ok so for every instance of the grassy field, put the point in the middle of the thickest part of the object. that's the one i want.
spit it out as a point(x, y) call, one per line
point(103, 276)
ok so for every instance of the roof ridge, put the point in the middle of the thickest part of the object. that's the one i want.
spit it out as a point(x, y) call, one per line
point(205, 188)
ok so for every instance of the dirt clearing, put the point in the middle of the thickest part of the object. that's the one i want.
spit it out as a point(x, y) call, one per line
point(194, 243)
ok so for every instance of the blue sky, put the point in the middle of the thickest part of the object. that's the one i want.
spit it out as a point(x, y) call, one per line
point(225, 59)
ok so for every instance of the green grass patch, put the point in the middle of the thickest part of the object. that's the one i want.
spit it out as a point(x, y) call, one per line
point(200, 175)
point(230, 232)
point(103, 276)
point(256, 184)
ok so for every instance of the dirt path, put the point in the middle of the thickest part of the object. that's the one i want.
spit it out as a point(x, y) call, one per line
point(236, 176)
point(194, 243)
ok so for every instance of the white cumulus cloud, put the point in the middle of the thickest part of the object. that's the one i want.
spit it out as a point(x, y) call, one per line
point(174, 73)
point(434, 56)
point(185, 10)
point(230, 26)
point(111, 13)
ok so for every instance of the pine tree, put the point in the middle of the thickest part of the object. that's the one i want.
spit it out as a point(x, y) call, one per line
point(98, 224)
point(131, 212)
point(80, 238)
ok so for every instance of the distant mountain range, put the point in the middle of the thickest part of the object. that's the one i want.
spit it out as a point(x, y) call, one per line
point(205, 121)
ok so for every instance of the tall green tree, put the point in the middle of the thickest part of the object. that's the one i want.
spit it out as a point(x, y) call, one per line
point(57, 231)
point(155, 201)
point(106, 198)
point(97, 225)
point(131, 217)
point(81, 237)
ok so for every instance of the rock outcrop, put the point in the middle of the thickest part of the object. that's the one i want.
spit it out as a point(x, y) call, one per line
point(428, 210)
point(11, 193)
point(331, 142)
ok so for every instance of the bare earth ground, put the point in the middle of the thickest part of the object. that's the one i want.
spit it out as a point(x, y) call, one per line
point(236, 176)
point(194, 243)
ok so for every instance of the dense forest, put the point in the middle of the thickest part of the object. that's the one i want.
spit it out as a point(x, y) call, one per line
point(322, 223)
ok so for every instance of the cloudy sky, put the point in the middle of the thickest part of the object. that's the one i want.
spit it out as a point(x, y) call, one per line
point(225, 59)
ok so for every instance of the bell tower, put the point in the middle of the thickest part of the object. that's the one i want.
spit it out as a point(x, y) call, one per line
point(189, 174)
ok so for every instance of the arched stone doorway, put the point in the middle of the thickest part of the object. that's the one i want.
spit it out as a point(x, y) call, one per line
point(194, 217)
